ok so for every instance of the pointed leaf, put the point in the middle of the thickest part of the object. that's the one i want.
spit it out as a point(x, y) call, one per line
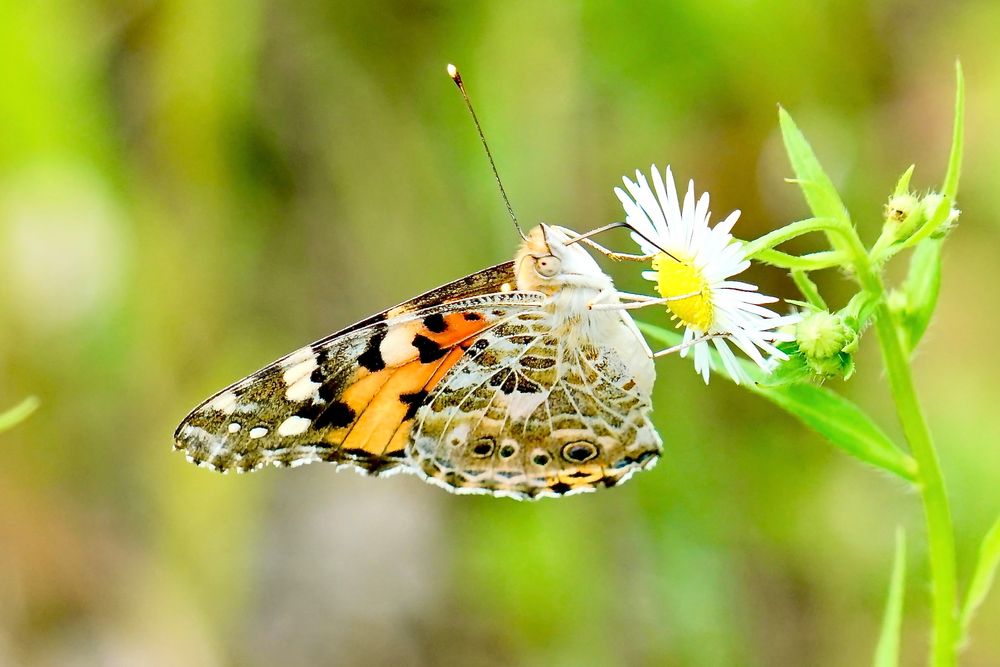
point(808, 289)
point(842, 423)
point(821, 195)
point(950, 187)
point(982, 576)
point(921, 288)
point(903, 184)
point(887, 650)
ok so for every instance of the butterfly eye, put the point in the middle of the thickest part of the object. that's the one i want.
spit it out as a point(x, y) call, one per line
point(547, 266)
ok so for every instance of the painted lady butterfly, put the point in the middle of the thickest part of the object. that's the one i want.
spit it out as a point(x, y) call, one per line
point(505, 382)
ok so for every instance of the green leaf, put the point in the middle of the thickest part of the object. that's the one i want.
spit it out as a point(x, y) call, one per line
point(843, 423)
point(950, 187)
point(837, 419)
point(887, 650)
point(903, 184)
point(18, 413)
point(982, 576)
point(858, 312)
point(821, 195)
point(808, 289)
point(920, 289)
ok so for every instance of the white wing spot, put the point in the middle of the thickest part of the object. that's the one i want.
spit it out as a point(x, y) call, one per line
point(298, 356)
point(224, 403)
point(234, 427)
point(302, 389)
point(301, 369)
point(293, 426)
point(397, 347)
point(258, 432)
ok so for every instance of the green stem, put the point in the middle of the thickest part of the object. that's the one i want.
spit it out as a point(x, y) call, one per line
point(937, 514)
point(787, 233)
point(826, 259)
point(940, 533)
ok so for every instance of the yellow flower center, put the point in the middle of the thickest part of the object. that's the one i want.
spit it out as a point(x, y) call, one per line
point(679, 277)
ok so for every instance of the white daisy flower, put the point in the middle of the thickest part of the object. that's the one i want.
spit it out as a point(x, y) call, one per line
point(700, 262)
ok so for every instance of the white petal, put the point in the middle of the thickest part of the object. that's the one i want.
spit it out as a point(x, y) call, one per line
point(726, 225)
point(672, 204)
point(667, 203)
point(735, 284)
point(702, 362)
point(644, 245)
point(733, 367)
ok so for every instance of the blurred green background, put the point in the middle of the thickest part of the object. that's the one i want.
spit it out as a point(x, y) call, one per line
point(190, 189)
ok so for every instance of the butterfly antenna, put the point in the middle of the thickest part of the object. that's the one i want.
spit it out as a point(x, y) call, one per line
point(457, 78)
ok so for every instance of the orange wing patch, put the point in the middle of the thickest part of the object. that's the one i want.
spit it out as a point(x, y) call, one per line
point(395, 378)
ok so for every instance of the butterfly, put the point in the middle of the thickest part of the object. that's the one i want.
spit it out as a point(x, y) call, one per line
point(505, 382)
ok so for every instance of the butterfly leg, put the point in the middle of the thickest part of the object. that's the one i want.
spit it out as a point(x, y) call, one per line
point(638, 301)
point(603, 295)
point(629, 296)
point(618, 256)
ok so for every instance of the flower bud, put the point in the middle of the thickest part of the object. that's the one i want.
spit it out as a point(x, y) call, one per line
point(903, 215)
point(837, 365)
point(930, 204)
point(821, 335)
point(900, 206)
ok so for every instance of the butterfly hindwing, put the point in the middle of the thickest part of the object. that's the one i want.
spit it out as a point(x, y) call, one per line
point(528, 413)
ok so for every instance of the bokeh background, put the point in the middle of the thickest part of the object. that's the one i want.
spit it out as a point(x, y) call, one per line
point(190, 189)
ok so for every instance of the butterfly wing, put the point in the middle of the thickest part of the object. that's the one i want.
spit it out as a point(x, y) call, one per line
point(527, 413)
point(350, 398)
point(478, 394)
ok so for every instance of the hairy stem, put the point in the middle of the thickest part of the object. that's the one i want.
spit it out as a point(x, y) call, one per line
point(826, 259)
point(937, 514)
point(940, 533)
point(787, 233)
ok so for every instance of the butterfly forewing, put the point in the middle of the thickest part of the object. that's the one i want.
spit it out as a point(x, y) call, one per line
point(349, 397)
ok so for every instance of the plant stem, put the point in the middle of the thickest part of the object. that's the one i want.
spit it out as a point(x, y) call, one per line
point(937, 514)
point(826, 259)
point(788, 232)
point(940, 533)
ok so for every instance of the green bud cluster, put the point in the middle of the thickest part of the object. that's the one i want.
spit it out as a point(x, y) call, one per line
point(823, 339)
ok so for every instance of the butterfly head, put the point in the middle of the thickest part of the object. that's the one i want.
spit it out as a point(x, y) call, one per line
point(547, 263)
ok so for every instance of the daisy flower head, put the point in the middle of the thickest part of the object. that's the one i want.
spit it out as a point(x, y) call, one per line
point(693, 275)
